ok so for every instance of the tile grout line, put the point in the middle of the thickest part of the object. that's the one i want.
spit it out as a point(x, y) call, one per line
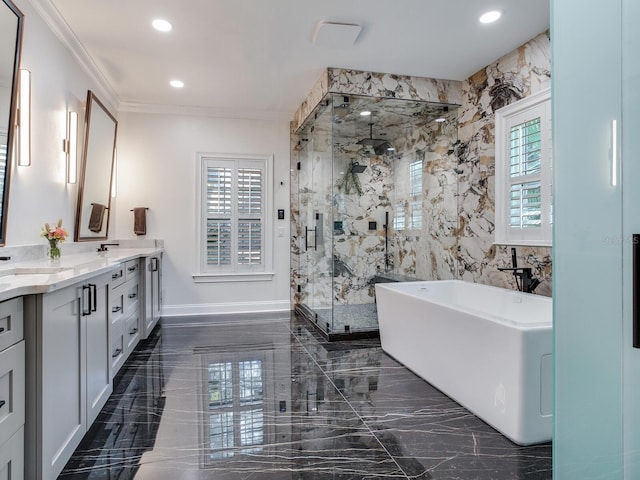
point(349, 404)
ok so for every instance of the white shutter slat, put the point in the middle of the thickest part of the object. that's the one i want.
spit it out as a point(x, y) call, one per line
point(250, 242)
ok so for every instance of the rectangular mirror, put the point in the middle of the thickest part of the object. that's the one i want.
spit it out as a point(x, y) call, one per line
point(94, 192)
point(10, 46)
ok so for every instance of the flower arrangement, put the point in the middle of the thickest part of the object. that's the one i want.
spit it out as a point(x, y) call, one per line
point(54, 236)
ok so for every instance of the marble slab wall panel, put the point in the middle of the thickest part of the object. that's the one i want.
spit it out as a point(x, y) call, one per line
point(315, 96)
point(385, 85)
point(517, 75)
point(377, 85)
point(427, 252)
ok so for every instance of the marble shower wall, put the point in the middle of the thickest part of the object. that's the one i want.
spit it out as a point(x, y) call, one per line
point(425, 221)
point(376, 85)
point(455, 238)
point(520, 73)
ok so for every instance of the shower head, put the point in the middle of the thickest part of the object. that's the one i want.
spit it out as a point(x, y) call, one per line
point(379, 145)
point(357, 168)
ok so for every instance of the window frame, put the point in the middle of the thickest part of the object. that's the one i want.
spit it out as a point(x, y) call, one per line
point(205, 273)
point(529, 108)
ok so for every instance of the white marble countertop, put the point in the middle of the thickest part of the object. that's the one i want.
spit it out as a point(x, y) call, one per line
point(43, 276)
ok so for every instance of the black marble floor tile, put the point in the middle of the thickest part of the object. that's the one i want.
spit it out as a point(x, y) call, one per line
point(267, 398)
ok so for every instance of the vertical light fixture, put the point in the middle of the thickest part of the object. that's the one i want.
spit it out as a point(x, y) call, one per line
point(614, 153)
point(71, 147)
point(24, 119)
point(114, 178)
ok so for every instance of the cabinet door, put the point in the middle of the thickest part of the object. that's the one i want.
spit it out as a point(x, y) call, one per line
point(98, 351)
point(12, 457)
point(12, 399)
point(63, 401)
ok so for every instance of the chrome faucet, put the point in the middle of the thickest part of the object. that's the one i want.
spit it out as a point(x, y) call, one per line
point(525, 281)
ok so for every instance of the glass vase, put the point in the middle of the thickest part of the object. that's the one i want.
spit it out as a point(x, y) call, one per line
point(54, 251)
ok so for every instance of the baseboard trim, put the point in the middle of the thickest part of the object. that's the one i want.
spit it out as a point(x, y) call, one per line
point(225, 308)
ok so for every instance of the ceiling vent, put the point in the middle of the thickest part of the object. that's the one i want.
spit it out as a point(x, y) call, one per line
point(336, 35)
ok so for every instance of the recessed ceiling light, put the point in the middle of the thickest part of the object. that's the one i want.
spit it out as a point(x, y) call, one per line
point(176, 83)
point(365, 113)
point(441, 119)
point(161, 25)
point(490, 17)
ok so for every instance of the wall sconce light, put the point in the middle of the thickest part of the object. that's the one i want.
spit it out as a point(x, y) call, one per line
point(23, 117)
point(70, 147)
point(114, 177)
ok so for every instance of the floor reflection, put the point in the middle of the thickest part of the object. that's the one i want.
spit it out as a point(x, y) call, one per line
point(266, 398)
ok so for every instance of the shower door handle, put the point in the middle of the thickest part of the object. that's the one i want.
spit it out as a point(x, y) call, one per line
point(306, 238)
point(636, 290)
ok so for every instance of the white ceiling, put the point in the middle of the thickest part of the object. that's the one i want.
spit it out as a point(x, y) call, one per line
point(257, 56)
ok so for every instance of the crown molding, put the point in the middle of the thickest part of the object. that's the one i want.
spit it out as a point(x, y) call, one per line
point(51, 16)
point(136, 107)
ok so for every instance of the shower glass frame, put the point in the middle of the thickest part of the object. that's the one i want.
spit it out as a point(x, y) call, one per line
point(347, 217)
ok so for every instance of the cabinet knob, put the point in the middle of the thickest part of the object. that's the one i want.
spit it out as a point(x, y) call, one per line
point(116, 309)
point(132, 269)
point(133, 331)
point(2, 403)
point(117, 352)
point(116, 275)
point(133, 295)
point(1, 329)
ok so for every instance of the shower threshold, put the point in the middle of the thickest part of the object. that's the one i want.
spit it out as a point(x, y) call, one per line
point(350, 322)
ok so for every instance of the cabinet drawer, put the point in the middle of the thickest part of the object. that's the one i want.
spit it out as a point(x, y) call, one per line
point(117, 276)
point(131, 297)
point(117, 303)
point(132, 333)
point(11, 391)
point(117, 345)
point(11, 322)
point(131, 269)
point(12, 457)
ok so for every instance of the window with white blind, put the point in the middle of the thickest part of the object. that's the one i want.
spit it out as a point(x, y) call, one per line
point(523, 172)
point(235, 228)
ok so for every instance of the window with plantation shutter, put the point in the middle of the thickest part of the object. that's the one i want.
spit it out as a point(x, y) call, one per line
point(523, 172)
point(233, 191)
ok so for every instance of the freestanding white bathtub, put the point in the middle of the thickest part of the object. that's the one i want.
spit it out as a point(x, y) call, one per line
point(488, 348)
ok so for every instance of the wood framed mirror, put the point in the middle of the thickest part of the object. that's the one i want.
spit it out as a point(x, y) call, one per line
point(11, 25)
point(96, 175)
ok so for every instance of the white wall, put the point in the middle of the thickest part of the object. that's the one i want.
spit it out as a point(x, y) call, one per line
point(157, 169)
point(39, 192)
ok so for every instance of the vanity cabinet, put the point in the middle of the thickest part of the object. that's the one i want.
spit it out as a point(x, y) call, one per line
point(125, 313)
point(68, 333)
point(12, 390)
point(152, 292)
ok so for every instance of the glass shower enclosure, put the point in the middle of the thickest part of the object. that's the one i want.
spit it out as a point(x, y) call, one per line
point(377, 189)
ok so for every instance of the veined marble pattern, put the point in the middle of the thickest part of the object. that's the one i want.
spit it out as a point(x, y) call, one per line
point(385, 85)
point(454, 238)
point(377, 85)
point(266, 398)
point(517, 75)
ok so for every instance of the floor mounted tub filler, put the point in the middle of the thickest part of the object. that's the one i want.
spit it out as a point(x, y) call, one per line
point(488, 348)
